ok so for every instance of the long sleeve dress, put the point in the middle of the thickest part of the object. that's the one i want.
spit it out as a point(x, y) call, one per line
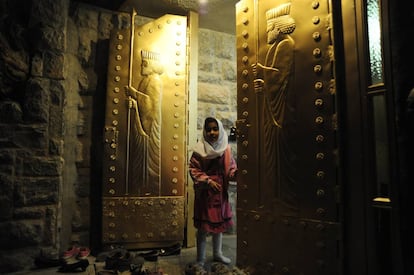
point(212, 210)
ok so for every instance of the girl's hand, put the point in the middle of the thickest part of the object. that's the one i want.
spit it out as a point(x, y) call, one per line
point(214, 185)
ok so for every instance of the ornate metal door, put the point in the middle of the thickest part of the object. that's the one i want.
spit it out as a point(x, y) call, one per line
point(144, 165)
point(288, 211)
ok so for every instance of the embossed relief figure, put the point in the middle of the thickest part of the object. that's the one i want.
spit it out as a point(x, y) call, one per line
point(145, 149)
point(275, 78)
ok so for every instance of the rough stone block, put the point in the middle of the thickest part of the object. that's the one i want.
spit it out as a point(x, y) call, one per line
point(37, 66)
point(208, 77)
point(20, 234)
point(41, 166)
point(7, 156)
point(57, 92)
point(29, 213)
point(207, 39)
point(12, 261)
point(6, 169)
point(72, 37)
point(54, 65)
point(228, 71)
point(49, 13)
point(51, 39)
point(56, 124)
point(225, 45)
point(6, 208)
point(36, 191)
point(50, 227)
point(36, 101)
point(29, 136)
point(86, 37)
point(56, 147)
point(213, 93)
point(83, 81)
point(205, 64)
point(87, 18)
point(11, 112)
point(23, 136)
point(105, 25)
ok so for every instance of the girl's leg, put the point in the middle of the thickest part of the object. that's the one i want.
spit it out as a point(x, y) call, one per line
point(201, 246)
point(217, 249)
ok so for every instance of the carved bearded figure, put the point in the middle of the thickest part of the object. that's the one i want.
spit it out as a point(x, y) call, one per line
point(275, 78)
point(146, 125)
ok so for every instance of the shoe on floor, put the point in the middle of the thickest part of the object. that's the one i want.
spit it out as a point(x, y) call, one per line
point(80, 265)
point(71, 252)
point(101, 257)
point(42, 261)
point(83, 252)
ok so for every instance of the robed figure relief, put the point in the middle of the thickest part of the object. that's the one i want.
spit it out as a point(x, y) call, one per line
point(144, 158)
point(274, 79)
point(145, 125)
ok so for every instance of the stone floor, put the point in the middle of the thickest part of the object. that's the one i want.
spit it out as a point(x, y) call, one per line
point(166, 265)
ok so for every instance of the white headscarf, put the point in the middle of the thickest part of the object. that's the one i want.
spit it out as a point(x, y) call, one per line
point(211, 151)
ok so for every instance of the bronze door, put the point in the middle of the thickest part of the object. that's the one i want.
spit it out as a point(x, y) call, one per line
point(288, 211)
point(144, 165)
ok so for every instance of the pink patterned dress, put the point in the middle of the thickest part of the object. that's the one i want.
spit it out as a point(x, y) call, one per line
point(212, 210)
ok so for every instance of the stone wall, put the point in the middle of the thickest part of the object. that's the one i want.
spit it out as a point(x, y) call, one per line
point(217, 95)
point(217, 89)
point(47, 83)
point(53, 65)
point(33, 85)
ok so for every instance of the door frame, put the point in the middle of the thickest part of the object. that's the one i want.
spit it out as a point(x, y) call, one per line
point(362, 250)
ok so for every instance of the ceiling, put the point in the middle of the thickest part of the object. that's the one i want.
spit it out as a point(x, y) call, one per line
point(217, 15)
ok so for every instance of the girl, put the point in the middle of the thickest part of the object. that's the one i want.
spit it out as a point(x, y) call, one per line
point(211, 167)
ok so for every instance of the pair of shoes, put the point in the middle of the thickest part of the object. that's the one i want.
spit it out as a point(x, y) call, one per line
point(101, 257)
point(76, 251)
point(43, 261)
point(74, 267)
point(172, 250)
point(71, 252)
point(122, 262)
point(117, 260)
point(151, 256)
point(84, 252)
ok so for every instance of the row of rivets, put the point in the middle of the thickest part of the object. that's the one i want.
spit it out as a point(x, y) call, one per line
point(149, 235)
point(117, 78)
point(244, 113)
point(115, 111)
point(245, 85)
point(138, 202)
point(177, 104)
point(319, 104)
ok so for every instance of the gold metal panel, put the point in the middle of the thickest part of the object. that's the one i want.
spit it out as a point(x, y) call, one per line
point(143, 222)
point(302, 135)
point(288, 245)
point(145, 120)
point(286, 131)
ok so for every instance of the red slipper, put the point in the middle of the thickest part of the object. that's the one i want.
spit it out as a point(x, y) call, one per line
point(71, 252)
point(84, 252)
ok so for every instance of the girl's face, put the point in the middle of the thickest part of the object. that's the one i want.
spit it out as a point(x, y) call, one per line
point(212, 132)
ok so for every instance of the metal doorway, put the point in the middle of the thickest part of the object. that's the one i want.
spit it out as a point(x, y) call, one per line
point(288, 187)
point(145, 134)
